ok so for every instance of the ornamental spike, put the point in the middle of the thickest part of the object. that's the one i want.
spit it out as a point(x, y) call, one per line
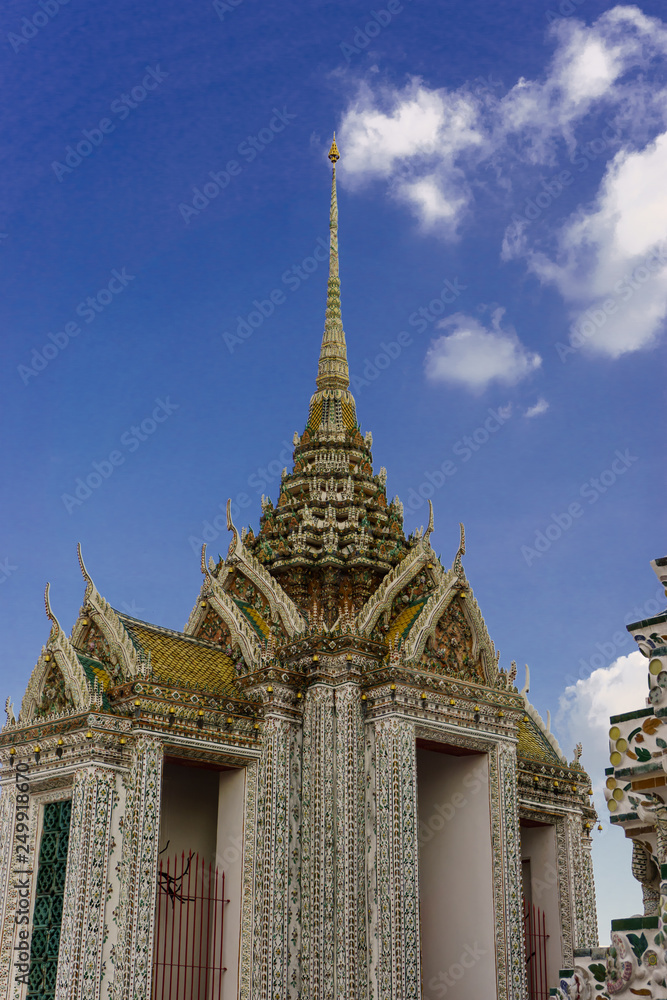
point(333, 372)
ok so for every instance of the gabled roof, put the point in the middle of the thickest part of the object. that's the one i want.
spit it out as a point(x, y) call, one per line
point(534, 745)
point(179, 659)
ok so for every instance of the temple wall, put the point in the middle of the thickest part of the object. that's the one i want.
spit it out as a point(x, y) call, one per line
point(229, 858)
point(392, 861)
point(456, 878)
point(538, 845)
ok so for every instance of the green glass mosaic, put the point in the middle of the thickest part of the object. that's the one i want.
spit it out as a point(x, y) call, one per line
point(48, 911)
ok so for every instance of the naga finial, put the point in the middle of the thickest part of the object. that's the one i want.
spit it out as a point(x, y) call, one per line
point(86, 575)
point(47, 605)
point(49, 613)
point(462, 547)
point(429, 530)
point(334, 155)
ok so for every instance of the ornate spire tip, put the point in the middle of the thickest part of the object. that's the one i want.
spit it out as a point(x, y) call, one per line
point(333, 152)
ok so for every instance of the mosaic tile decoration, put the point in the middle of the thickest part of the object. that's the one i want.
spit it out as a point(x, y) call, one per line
point(48, 912)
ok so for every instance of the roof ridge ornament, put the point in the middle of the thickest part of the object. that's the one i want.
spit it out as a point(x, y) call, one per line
point(461, 549)
point(333, 154)
point(47, 607)
point(429, 529)
point(90, 586)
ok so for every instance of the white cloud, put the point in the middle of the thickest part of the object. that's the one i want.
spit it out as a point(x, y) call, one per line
point(540, 407)
point(611, 261)
point(436, 148)
point(428, 142)
point(587, 69)
point(413, 138)
point(585, 707)
point(474, 356)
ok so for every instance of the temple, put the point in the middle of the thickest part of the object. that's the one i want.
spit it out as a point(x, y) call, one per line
point(325, 787)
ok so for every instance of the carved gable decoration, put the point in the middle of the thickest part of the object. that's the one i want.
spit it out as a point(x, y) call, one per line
point(451, 649)
point(252, 604)
point(407, 606)
point(241, 589)
point(214, 629)
point(94, 645)
point(55, 695)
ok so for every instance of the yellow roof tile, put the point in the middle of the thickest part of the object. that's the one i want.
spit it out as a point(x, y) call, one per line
point(532, 744)
point(180, 660)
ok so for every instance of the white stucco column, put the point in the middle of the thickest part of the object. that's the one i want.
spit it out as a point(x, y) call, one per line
point(512, 983)
point(133, 958)
point(318, 845)
point(392, 861)
point(7, 883)
point(84, 902)
point(351, 946)
point(276, 908)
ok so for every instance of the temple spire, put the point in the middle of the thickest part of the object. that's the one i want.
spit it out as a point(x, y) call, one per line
point(333, 372)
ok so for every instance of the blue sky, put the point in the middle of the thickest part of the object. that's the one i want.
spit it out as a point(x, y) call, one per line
point(504, 284)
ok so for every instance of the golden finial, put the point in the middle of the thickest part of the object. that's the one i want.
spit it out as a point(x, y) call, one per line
point(333, 152)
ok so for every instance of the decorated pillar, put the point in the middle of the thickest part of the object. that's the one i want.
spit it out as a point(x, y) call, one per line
point(512, 983)
point(589, 931)
point(351, 946)
point(7, 883)
point(275, 974)
point(333, 835)
point(582, 887)
point(133, 956)
point(318, 845)
point(393, 861)
point(83, 921)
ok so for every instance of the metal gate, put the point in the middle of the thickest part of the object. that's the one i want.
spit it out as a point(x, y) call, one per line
point(189, 925)
point(536, 951)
